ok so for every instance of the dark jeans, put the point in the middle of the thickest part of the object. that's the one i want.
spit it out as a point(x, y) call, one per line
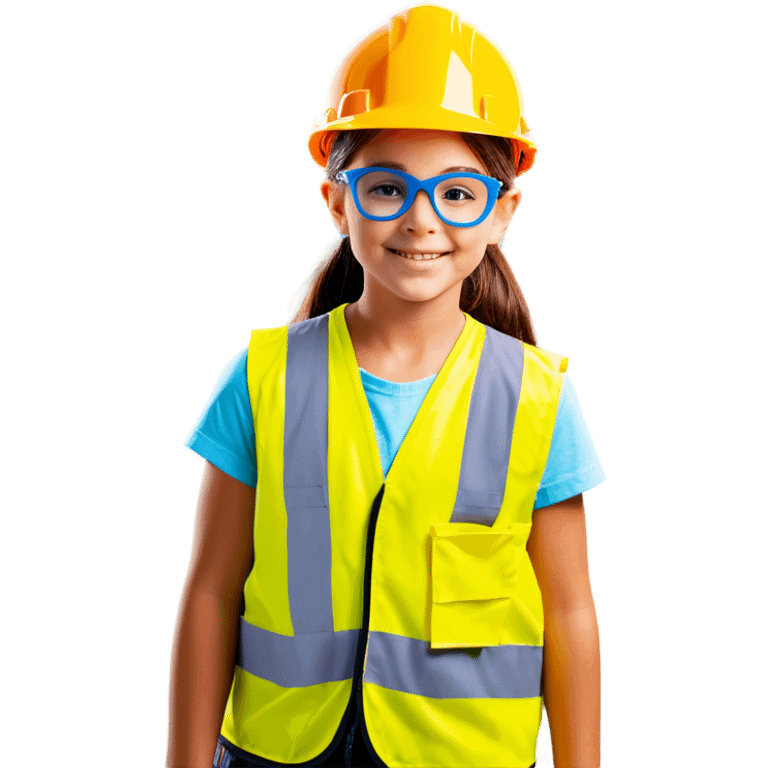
point(224, 758)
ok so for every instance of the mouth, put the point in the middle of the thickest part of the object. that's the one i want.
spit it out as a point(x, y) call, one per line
point(418, 256)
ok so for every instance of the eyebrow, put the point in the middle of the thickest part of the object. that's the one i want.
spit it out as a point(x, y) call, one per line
point(452, 169)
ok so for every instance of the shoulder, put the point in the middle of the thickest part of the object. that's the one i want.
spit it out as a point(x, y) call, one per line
point(552, 362)
point(573, 465)
point(569, 412)
point(265, 352)
point(231, 378)
point(223, 434)
point(237, 364)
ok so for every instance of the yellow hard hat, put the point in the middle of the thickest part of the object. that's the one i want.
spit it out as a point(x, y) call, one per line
point(425, 69)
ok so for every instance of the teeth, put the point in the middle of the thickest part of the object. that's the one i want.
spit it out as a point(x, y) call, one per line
point(418, 256)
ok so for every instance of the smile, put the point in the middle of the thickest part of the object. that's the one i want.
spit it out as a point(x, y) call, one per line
point(418, 256)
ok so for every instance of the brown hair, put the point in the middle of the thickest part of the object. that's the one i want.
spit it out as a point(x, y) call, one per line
point(491, 294)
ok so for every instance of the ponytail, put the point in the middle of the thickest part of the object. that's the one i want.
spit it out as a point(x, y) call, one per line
point(337, 280)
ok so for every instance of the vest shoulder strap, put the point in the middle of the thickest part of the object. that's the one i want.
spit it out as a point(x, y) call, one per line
point(550, 361)
point(265, 343)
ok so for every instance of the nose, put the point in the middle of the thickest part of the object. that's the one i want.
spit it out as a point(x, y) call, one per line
point(421, 218)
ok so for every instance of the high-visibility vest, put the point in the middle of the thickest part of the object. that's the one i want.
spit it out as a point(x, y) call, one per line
point(407, 604)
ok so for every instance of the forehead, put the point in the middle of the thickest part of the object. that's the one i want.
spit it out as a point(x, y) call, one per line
point(420, 152)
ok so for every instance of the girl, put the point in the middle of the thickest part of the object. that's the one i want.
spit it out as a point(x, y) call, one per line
point(382, 594)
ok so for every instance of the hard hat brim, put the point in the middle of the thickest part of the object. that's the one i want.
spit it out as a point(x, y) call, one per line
point(417, 116)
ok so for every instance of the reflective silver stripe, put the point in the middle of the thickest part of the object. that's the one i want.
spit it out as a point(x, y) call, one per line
point(394, 662)
point(305, 473)
point(488, 440)
point(300, 660)
point(493, 672)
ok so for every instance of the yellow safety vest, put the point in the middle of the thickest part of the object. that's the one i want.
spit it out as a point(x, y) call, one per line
point(409, 604)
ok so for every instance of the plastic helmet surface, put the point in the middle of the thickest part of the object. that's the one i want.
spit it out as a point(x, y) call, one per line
point(426, 69)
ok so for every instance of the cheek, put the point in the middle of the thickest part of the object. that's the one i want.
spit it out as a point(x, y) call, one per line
point(473, 241)
point(371, 234)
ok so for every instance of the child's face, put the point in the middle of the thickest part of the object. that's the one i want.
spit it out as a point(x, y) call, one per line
point(419, 230)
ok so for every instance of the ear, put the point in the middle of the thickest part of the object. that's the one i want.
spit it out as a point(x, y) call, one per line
point(333, 194)
point(505, 209)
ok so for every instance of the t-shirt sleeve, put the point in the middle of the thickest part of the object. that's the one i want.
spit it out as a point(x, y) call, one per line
point(572, 465)
point(224, 432)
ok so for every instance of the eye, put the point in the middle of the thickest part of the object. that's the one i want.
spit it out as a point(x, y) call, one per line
point(458, 195)
point(386, 189)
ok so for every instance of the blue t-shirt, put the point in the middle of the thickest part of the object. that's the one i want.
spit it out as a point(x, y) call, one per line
point(224, 432)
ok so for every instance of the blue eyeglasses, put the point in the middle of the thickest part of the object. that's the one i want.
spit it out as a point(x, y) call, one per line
point(459, 199)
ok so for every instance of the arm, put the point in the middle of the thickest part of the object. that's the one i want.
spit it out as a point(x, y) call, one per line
point(557, 547)
point(203, 660)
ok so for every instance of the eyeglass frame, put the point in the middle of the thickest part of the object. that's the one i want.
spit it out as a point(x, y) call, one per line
point(414, 186)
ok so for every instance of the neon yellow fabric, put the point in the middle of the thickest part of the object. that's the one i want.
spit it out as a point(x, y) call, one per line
point(473, 578)
point(417, 589)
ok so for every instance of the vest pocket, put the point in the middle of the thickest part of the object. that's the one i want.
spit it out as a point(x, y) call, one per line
point(473, 572)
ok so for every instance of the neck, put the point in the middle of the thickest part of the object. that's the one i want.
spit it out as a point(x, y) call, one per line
point(409, 330)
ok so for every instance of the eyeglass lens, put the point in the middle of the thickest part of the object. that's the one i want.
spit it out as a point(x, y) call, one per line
point(461, 199)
